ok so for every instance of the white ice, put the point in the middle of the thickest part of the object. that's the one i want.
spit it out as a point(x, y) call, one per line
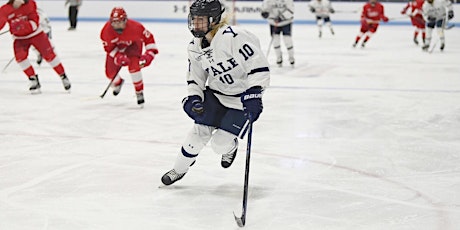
point(350, 138)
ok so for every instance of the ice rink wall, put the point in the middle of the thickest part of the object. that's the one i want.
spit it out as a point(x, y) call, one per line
point(245, 11)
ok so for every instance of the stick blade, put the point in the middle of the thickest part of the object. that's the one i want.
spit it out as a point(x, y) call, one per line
point(240, 221)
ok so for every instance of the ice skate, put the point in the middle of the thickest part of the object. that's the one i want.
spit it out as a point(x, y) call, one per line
point(415, 40)
point(65, 82)
point(117, 88)
point(320, 34)
point(140, 98)
point(355, 44)
point(425, 47)
point(171, 177)
point(279, 62)
point(34, 85)
point(292, 61)
point(442, 46)
point(227, 159)
point(332, 31)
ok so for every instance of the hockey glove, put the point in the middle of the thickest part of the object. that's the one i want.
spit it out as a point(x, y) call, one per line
point(264, 14)
point(252, 103)
point(332, 11)
point(121, 59)
point(431, 19)
point(385, 19)
point(450, 14)
point(20, 27)
point(147, 58)
point(193, 106)
point(312, 10)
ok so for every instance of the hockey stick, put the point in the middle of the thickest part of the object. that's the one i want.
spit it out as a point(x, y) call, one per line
point(434, 46)
point(7, 64)
point(241, 221)
point(346, 11)
point(396, 18)
point(4, 32)
point(271, 40)
point(141, 64)
point(110, 83)
point(108, 86)
point(269, 47)
point(448, 27)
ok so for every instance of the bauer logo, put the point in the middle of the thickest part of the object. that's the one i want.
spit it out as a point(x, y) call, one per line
point(252, 96)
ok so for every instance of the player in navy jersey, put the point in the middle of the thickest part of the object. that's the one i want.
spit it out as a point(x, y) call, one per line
point(227, 73)
point(436, 14)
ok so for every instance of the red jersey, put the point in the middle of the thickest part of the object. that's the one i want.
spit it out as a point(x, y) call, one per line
point(414, 6)
point(373, 12)
point(133, 34)
point(27, 12)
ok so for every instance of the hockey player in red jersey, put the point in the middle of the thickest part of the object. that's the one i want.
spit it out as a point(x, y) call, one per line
point(372, 13)
point(416, 18)
point(123, 40)
point(23, 20)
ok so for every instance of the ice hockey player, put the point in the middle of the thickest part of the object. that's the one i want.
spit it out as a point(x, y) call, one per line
point(23, 20)
point(123, 40)
point(372, 13)
point(322, 9)
point(434, 12)
point(280, 15)
point(227, 73)
point(416, 17)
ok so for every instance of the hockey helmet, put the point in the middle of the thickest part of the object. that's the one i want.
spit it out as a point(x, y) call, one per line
point(118, 18)
point(211, 9)
point(118, 14)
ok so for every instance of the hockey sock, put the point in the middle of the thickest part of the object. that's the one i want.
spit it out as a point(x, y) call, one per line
point(183, 161)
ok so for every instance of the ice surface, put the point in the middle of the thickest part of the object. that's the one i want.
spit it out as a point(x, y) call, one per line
point(350, 138)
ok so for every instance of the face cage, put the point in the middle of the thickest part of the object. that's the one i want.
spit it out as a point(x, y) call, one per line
point(119, 22)
point(198, 34)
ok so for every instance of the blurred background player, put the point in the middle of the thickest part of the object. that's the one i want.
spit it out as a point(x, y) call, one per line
point(322, 8)
point(44, 22)
point(226, 76)
point(371, 15)
point(123, 40)
point(435, 14)
point(74, 6)
point(23, 20)
point(416, 18)
point(280, 14)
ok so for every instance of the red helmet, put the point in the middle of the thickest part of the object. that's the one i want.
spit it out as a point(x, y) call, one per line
point(118, 14)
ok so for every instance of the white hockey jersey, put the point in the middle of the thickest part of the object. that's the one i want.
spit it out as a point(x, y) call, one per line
point(438, 9)
point(283, 9)
point(322, 7)
point(231, 64)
